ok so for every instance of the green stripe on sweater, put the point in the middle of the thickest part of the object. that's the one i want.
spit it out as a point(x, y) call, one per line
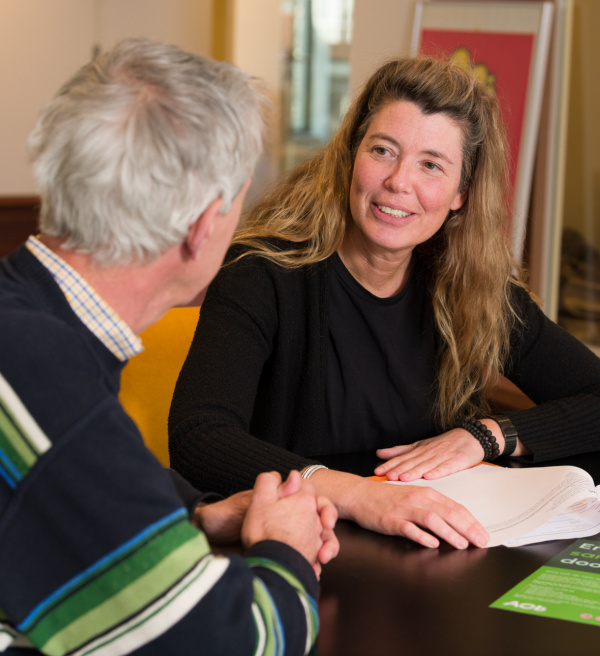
point(13, 446)
point(120, 590)
point(274, 641)
point(21, 439)
point(309, 604)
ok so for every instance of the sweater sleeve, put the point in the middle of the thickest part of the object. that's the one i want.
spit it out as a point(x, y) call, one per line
point(190, 497)
point(97, 554)
point(562, 376)
point(230, 391)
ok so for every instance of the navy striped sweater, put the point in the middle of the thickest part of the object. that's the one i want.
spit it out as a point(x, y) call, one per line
point(96, 551)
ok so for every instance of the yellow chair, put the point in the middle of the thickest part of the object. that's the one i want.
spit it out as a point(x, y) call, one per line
point(148, 379)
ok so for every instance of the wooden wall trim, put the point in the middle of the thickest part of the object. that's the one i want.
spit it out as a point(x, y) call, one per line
point(19, 201)
point(18, 220)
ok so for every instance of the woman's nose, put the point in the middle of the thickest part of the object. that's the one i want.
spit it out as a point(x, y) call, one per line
point(399, 179)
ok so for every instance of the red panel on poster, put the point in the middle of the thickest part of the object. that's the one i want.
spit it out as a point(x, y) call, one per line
point(501, 60)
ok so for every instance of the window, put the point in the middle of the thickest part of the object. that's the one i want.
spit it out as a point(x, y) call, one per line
point(315, 90)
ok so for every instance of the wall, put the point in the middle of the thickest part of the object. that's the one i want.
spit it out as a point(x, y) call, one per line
point(43, 41)
point(382, 29)
point(255, 44)
point(188, 23)
point(36, 55)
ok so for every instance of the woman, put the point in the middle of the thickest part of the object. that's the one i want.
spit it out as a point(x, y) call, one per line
point(370, 302)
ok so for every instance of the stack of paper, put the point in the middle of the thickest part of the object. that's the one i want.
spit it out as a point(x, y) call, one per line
point(522, 506)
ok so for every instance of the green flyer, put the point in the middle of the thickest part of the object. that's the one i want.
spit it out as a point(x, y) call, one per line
point(566, 588)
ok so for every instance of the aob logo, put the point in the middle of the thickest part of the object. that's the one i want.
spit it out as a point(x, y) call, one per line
point(525, 606)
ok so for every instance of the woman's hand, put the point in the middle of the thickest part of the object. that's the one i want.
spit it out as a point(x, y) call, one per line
point(432, 458)
point(412, 511)
point(408, 510)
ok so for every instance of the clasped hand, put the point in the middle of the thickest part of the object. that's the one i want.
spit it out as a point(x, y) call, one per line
point(288, 512)
point(291, 512)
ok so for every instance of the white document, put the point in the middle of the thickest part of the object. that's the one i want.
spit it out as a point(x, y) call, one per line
point(522, 506)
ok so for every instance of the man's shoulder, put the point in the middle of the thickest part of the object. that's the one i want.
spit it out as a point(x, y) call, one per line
point(40, 336)
point(26, 318)
point(34, 334)
point(34, 310)
point(51, 368)
point(25, 284)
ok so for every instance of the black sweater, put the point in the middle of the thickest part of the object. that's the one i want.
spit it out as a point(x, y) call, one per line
point(251, 394)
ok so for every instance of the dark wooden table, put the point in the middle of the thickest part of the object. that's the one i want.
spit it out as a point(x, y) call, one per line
point(386, 595)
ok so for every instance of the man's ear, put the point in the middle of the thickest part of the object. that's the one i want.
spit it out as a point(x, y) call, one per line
point(202, 228)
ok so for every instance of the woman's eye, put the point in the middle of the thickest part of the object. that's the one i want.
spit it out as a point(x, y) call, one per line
point(430, 166)
point(380, 150)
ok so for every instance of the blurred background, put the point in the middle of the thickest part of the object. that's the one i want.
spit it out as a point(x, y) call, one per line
point(313, 56)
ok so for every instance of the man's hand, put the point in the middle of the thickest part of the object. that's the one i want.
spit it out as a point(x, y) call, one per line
point(222, 521)
point(327, 512)
point(291, 512)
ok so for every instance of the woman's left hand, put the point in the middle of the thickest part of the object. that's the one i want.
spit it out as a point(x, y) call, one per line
point(431, 458)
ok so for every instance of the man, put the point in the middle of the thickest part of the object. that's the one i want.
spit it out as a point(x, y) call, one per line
point(142, 160)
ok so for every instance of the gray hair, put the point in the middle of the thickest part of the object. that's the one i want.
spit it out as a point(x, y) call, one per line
point(138, 143)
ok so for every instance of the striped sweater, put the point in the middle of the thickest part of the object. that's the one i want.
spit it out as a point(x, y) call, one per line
point(97, 555)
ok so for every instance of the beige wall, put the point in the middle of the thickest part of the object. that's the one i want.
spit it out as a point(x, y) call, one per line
point(382, 29)
point(43, 41)
point(37, 53)
point(256, 39)
point(256, 46)
point(188, 23)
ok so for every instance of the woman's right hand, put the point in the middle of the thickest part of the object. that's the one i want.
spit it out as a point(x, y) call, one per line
point(418, 513)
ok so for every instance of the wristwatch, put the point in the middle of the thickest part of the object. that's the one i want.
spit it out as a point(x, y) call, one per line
point(509, 432)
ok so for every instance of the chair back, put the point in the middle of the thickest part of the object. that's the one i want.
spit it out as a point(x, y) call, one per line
point(148, 379)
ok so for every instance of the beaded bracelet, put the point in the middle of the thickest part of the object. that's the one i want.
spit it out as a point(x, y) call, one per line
point(491, 449)
point(509, 432)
